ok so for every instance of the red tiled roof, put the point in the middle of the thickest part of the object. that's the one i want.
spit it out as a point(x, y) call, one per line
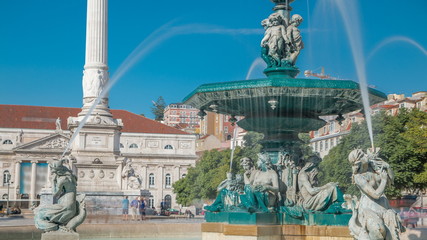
point(37, 117)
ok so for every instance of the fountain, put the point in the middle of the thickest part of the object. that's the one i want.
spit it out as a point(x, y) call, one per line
point(279, 192)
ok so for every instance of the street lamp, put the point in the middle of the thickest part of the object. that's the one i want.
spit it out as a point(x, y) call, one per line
point(8, 185)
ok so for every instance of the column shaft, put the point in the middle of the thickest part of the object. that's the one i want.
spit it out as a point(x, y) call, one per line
point(17, 178)
point(33, 180)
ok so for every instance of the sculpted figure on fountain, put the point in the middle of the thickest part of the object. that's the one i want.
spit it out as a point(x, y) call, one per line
point(327, 198)
point(282, 42)
point(69, 210)
point(372, 218)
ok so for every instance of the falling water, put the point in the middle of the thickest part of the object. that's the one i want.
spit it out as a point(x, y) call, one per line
point(234, 147)
point(163, 33)
point(257, 63)
point(349, 13)
point(396, 39)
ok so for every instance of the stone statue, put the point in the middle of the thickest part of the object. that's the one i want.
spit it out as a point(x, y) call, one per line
point(288, 174)
point(228, 198)
point(275, 39)
point(69, 211)
point(327, 198)
point(248, 166)
point(373, 218)
point(132, 178)
point(265, 184)
point(94, 81)
point(294, 38)
point(58, 124)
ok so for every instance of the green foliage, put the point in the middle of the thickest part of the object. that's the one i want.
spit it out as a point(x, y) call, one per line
point(306, 150)
point(158, 109)
point(202, 181)
point(403, 142)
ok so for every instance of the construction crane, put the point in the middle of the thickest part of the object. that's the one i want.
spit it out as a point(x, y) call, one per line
point(321, 75)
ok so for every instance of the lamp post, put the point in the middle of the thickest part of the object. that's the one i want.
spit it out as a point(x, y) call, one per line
point(8, 185)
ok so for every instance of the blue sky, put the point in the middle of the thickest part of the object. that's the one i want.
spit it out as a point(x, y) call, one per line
point(183, 44)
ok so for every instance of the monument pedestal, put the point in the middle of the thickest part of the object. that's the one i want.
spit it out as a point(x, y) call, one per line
point(60, 235)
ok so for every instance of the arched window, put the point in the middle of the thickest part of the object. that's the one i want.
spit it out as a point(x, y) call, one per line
point(6, 177)
point(168, 201)
point(183, 175)
point(228, 137)
point(4, 196)
point(151, 179)
point(168, 147)
point(133, 145)
point(7, 141)
point(168, 180)
point(121, 145)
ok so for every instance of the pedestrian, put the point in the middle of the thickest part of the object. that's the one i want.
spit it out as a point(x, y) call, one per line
point(125, 207)
point(142, 208)
point(134, 208)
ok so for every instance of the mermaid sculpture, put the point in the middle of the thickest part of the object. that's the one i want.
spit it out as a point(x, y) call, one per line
point(69, 211)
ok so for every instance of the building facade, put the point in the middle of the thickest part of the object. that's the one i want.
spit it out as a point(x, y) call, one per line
point(152, 156)
point(327, 137)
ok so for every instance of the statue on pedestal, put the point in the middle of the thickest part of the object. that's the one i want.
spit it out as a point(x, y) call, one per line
point(373, 218)
point(69, 210)
point(133, 180)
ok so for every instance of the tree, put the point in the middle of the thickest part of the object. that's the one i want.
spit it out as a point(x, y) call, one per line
point(158, 109)
point(202, 181)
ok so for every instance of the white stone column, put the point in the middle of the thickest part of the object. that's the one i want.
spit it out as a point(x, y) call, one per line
point(95, 74)
point(144, 177)
point(33, 180)
point(119, 175)
point(48, 183)
point(17, 178)
point(160, 183)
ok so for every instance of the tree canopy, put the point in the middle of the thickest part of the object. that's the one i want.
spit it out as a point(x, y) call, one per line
point(403, 143)
point(158, 109)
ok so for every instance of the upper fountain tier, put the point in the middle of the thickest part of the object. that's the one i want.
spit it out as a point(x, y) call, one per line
point(281, 104)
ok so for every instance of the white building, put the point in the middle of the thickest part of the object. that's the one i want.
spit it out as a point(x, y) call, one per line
point(160, 155)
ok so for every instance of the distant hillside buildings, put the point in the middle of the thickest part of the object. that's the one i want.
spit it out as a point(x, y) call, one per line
point(329, 136)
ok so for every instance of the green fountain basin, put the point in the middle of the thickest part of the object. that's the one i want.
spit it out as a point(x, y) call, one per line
point(298, 102)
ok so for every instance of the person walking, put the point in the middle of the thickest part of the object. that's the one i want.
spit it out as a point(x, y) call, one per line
point(134, 208)
point(125, 208)
point(142, 208)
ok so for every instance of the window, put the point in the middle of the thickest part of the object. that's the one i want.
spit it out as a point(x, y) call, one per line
point(183, 175)
point(321, 146)
point(168, 147)
point(4, 196)
point(168, 201)
point(226, 129)
point(151, 179)
point(332, 127)
point(133, 145)
point(6, 177)
point(151, 202)
point(326, 145)
point(7, 141)
point(121, 145)
point(168, 180)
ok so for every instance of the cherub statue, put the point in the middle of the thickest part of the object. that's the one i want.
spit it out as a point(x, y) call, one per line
point(275, 38)
point(294, 38)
